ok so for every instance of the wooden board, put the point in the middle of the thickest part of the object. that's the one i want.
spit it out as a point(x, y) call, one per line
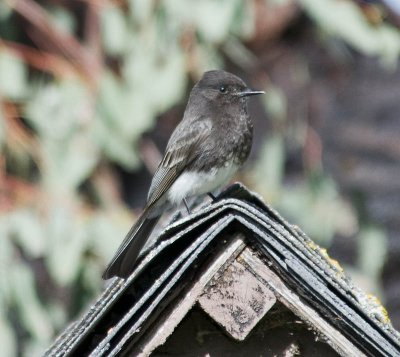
point(237, 300)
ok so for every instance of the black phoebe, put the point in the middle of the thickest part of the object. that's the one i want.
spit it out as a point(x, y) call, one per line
point(207, 147)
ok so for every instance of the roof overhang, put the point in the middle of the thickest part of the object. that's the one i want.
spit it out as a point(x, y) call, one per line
point(236, 229)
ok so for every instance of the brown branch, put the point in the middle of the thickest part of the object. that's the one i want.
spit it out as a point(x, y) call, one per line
point(16, 133)
point(46, 62)
point(61, 42)
point(92, 34)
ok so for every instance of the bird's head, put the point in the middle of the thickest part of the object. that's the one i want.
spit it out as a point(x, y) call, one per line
point(223, 87)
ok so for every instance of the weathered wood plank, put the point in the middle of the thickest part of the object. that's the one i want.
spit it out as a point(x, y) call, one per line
point(237, 300)
point(166, 326)
point(292, 301)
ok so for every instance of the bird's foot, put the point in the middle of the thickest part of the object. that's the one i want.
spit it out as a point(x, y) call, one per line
point(187, 206)
point(211, 196)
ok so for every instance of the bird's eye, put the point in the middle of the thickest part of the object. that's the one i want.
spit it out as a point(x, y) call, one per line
point(222, 89)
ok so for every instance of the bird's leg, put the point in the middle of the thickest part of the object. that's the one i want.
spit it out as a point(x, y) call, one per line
point(211, 196)
point(187, 206)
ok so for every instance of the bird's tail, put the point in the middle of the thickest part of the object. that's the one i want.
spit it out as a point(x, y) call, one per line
point(123, 261)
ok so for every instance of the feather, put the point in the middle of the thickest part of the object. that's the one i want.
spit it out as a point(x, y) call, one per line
point(177, 156)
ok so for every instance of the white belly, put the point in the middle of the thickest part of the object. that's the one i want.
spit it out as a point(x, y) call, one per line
point(195, 183)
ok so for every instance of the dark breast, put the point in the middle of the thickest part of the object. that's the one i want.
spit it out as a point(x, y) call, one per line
point(245, 140)
point(230, 140)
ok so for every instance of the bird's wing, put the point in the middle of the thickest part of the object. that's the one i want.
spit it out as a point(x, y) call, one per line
point(180, 151)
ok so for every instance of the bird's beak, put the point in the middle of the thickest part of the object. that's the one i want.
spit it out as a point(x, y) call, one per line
point(248, 92)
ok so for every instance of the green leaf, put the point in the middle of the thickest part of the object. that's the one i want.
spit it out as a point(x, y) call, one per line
point(107, 231)
point(62, 19)
point(372, 251)
point(270, 168)
point(382, 40)
point(213, 19)
point(127, 109)
point(208, 57)
point(13, 76)
point(243, 21)
point(8, 340)
point(115, 128)
point(2, 127)
point(6, 258)
point(115, 146)
point(141, 10)
point(31, 311)
point(61, 116)
point(113, 108)
point(114, 32)
point(58, 109)
point(69, 163)
point(155, 80)
point(319, 211)
point(58, 314)
point(26, 229)
point(275, 103)
point(5, 10)
point(66, 246)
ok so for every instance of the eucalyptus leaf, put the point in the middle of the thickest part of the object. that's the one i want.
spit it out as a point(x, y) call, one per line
point(6, 259)
point(114, 28)
point(63, 171)
point(34, 348)
point(243, 21)
point(372, 251)
point(8, 341)
point(170, 79)
point(58, 314)
point(126, 109)
point(115, 147)
point(5, 10)
point(320, 212)
point(107, 231)
point(69, 163)
point(58, 109)
point(13, 76)
point(208, 57)
point(2, 127)
point(344, 19)
point(141, 10)
point(31, 311)
point(113, 107)
point(154, 84)
point(25, 227)
point(213, 19)
point(91, 276)
point(270, 168)
point(60, 115)
point(63, 19)
point(67, 244)
point(275, 103)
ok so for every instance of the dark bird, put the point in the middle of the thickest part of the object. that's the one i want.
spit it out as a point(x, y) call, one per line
point(207, 147)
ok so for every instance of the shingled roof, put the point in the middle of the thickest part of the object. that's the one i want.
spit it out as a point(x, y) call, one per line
point(236, 260)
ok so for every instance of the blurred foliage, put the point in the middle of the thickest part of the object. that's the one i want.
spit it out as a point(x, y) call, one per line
point(80, 82)
point(382, 40)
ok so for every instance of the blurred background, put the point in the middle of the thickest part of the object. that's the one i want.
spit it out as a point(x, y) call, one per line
point(90, 91)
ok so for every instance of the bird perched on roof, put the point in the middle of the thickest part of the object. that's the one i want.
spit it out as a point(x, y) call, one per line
point(208, 146)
